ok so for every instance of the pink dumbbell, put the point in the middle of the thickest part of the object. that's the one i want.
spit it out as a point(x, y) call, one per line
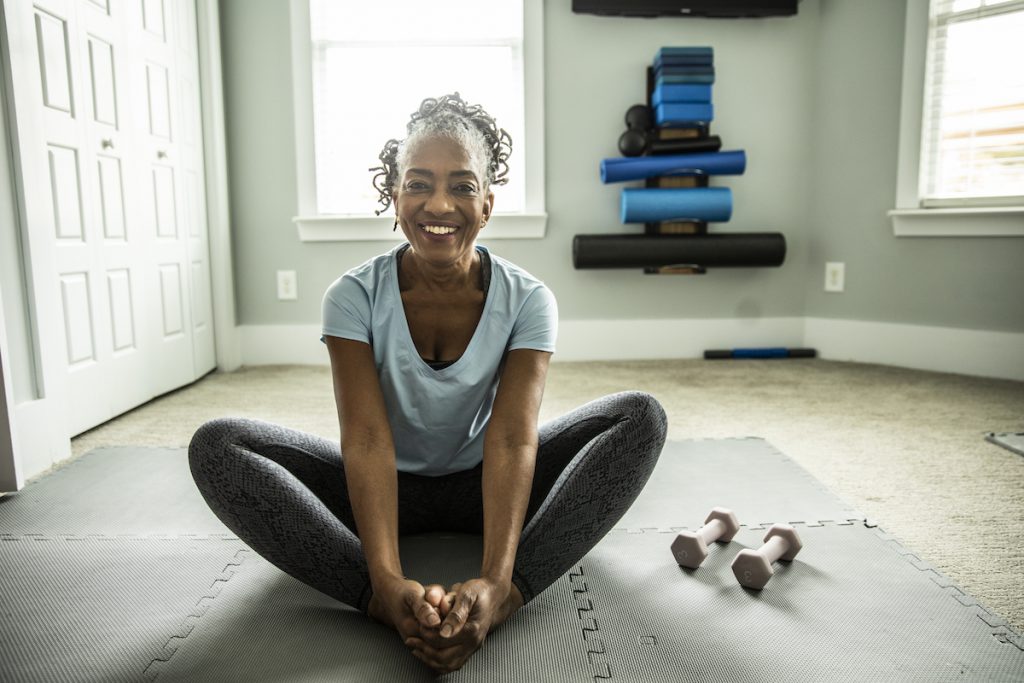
point(691, 547)
point(753, 568)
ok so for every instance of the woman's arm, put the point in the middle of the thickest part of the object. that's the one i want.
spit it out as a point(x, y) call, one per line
point(369, 455)
point(510, 451)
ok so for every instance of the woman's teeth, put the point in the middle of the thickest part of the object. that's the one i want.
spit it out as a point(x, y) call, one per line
point(439, 229)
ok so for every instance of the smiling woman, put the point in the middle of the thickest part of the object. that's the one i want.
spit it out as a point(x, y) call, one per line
point(439, 353)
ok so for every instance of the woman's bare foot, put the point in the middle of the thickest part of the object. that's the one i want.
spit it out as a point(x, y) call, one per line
point(512, 603)
point(377, 612)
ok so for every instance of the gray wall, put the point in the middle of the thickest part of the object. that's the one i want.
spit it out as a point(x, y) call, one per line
point(975, 283)
point(814, 101)
point(594, 70)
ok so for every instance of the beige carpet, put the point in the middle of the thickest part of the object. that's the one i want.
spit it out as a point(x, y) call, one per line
point(905, 447)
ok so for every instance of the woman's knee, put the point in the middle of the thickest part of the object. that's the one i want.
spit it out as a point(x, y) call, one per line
point(212, 438)
point(643, 409)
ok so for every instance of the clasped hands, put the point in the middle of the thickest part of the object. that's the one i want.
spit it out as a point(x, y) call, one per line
point(441, 628)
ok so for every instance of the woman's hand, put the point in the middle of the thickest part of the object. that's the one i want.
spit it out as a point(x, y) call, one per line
point(402, 604)
point(472, 609)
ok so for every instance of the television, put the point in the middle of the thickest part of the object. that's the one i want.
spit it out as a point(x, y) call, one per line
point(687, 8)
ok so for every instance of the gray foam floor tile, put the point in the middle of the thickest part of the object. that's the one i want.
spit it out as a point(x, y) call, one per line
point(267, 626)
point(1011, 441)
point(102, 608)
point(200, 606)
point(143, 491)
point(750, 476)
point(852, 606)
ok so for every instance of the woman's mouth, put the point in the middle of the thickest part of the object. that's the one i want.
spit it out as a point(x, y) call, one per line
point(438, 231)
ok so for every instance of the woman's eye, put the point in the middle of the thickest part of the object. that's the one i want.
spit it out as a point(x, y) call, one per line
point(415, 185)
point(465, 187)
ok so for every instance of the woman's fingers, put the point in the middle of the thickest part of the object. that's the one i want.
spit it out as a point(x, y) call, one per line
point(446, 603)
point(434, 594)
point(422, 610)
point(459, 613)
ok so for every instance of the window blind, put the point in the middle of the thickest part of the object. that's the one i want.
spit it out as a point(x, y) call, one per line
point(972, 138)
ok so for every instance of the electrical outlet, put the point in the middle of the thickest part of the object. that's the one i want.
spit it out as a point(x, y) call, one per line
point(287, 289)
point(835, 276)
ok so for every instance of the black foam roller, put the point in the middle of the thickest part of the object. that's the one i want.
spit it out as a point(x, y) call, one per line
point(711, 143)
point(724, 250)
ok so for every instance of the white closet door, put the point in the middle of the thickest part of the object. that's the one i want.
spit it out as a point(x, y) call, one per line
point(114, 251)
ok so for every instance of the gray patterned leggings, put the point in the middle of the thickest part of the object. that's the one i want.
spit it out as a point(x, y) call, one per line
point(283, 492)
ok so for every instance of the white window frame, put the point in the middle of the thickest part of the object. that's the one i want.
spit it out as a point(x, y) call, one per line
point(909, 218)
point(315, 227)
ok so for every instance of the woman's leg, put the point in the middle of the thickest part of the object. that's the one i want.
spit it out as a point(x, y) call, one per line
point(592, 463)
point(284, 493)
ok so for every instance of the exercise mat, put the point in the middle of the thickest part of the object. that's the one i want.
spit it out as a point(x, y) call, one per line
point(621, 169)
point(644, 205)
point(853, 605)
point(724, 250)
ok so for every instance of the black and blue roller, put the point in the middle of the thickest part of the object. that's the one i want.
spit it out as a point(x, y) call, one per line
point(764, 352)
point(619, 169)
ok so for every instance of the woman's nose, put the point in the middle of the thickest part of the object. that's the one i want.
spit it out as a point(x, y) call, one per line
point(439, 203)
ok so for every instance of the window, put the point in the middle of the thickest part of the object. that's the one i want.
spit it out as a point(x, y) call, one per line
point(362, 68)
point(972, 144)
point(961, 142)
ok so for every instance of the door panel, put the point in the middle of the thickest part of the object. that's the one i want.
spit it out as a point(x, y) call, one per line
point(77, 308)
point(101, 72)
point(52, 41)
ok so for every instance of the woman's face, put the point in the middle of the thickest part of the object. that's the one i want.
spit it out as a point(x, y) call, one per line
point(440, 201)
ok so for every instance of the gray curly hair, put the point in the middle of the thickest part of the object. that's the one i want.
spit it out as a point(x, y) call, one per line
point(488, 146)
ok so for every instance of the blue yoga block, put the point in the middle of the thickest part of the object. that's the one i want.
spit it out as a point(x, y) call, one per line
point(686, 112)
point(681, 92)
point(649, 205)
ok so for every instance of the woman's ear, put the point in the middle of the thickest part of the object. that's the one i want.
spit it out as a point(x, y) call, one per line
point(488, 206)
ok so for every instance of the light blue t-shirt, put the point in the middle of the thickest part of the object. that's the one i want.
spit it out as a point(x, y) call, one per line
point(438, 417)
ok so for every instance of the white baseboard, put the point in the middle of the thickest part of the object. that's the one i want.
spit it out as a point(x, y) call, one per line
point(577, 339)
point(665, 338)
point(942, 349)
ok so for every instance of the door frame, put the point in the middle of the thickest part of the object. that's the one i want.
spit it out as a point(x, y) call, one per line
point(218, 210)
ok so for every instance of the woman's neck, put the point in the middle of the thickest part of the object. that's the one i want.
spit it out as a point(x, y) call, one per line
point(452, 277)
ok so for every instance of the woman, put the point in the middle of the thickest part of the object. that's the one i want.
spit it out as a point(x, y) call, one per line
point(439, 353)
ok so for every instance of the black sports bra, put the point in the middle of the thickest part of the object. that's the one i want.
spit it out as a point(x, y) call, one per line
point(485, 283)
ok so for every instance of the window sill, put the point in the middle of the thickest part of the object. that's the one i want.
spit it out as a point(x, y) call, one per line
point(1004, 221)
point(379, 228)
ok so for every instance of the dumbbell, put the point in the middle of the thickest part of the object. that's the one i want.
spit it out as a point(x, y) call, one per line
point(638, 139)
point(753, 568)
point(691, 547)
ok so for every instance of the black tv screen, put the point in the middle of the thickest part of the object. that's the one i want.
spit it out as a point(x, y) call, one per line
point(687, 8)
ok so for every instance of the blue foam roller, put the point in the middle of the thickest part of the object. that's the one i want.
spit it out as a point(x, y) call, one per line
point(621, 169)
point(643, 205)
